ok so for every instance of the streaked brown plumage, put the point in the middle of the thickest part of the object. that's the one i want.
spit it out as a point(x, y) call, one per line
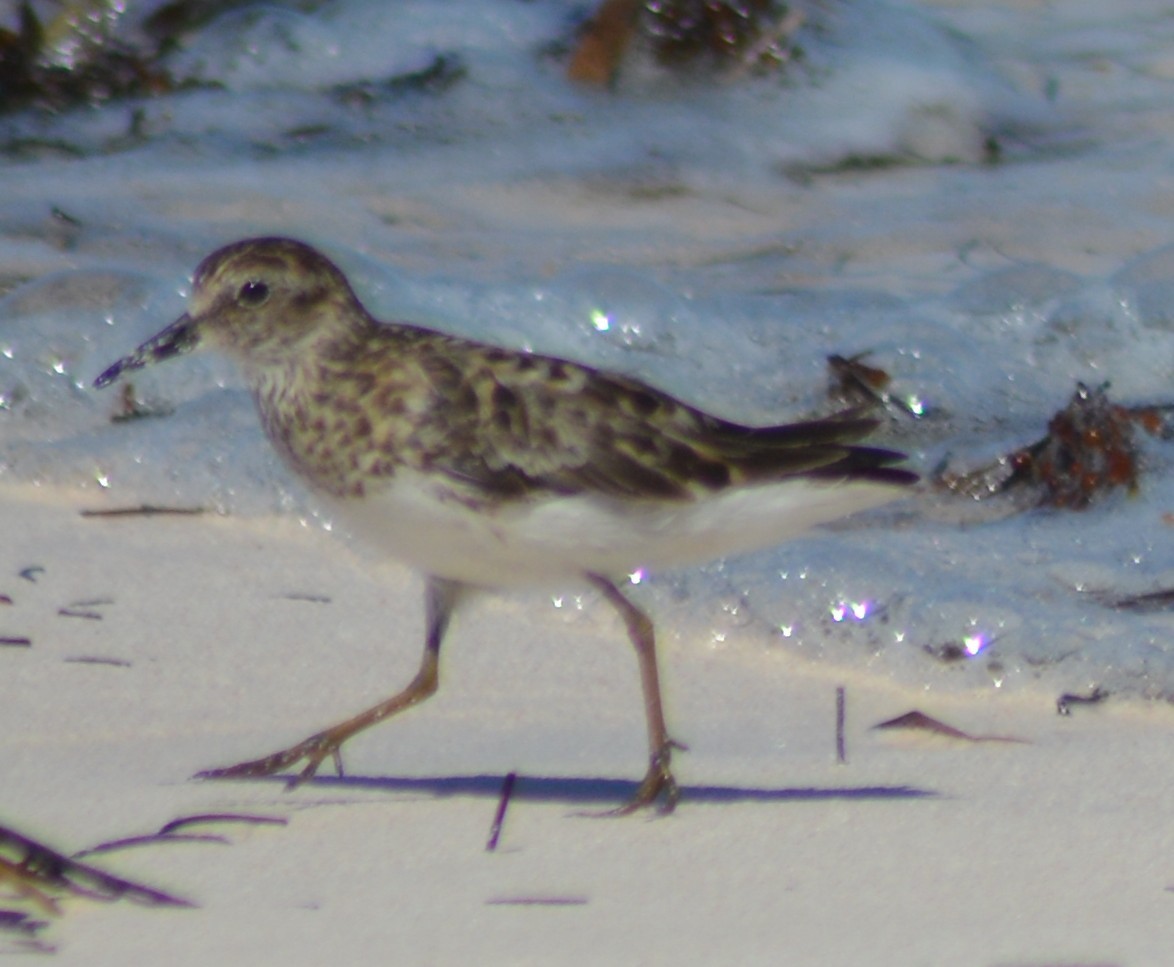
point(485, 467)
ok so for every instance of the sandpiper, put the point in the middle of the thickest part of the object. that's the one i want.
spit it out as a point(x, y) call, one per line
point(489, 468)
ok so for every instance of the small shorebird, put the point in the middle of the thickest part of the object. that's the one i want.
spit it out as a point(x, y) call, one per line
point(489, 468)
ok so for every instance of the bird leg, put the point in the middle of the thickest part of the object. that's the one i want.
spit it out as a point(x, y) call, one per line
point(658, 782)
point(440, 599)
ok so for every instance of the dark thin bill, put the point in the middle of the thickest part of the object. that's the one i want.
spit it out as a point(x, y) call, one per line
point(178, 338)
point(108, 376)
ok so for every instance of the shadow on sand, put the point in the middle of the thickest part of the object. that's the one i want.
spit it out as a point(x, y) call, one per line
point(578, 791)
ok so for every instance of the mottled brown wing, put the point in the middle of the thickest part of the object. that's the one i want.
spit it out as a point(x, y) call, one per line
point(536, 424)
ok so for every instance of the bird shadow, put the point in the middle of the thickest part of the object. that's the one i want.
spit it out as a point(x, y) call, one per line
point(580, 791)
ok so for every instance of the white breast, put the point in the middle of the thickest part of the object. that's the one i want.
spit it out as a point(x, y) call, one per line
point(545, 543)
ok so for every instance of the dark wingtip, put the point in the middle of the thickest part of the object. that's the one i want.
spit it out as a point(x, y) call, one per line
point(869, 463)
point(893, 475)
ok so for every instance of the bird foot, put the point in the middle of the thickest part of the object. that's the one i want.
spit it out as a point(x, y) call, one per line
point(657, 789)
point(313, 750)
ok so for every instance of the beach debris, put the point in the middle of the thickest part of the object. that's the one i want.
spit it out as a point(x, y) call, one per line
point(31, 573)
point(1090, 449)
point(248, 819)
point(142, 510)
point(168, 22)
point(1145, 603)
point(309, 597)
point(62, 229)
point(25, 925)
point(728, 38)
point(15, 878)
point(131, 407)
point(59, 216)
point(949, 652)
point(503, 802)
point(603, 41)
point(35, 878)
point(854, 383)
point(13, 641)
point(97, 660)
point(438, 76)
point(170, 832)
point(841, 702)
point(84, 609)
point(74, 59)
point(43, 874)
point(917, 721)
point(95, 51)
point(1066, 701)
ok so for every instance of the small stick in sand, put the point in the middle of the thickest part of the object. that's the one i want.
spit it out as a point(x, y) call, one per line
point(145, 510)
point(841, 700)
point(503, 802)
point(169, 832)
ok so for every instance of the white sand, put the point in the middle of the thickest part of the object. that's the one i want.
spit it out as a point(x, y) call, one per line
point(1057, 850)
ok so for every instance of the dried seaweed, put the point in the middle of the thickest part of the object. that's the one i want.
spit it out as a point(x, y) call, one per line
point(73, 60)
point(721, 37)
point(39, 871)
point(852, 382)
point(1090, 448)
point(1066, 701)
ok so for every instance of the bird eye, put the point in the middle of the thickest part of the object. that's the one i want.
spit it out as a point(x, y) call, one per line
point(253, 294)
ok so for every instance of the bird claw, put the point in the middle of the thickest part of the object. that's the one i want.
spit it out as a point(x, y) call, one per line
point(658, 787)
point(313, 750)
